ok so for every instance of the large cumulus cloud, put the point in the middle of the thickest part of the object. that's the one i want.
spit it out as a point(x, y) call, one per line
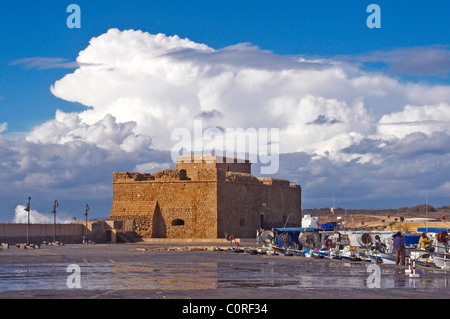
point(342, 129)
point(320, 106)
point(72, 162)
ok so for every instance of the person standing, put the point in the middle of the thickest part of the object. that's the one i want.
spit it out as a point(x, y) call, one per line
point(258, 237)
point(399, 246)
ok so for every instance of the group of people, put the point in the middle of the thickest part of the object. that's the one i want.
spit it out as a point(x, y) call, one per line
point(399, 246)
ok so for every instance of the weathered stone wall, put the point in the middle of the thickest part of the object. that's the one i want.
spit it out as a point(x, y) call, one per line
point(245, 204)
point(168, 207)
point(203, 200)
point(194, 164)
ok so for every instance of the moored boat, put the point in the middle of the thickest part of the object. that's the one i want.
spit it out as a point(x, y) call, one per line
point(387, 258)
point(375, 257)
point(350, 253)
point(441, 260)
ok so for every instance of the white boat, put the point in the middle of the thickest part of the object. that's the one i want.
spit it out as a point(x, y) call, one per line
point(361, 238)
point(422, 257)
point(364, 255)
point(441, 251)
point(349, 253)
point(375, 257)
point(387, 258)
point(334, 253)
point(442, 260)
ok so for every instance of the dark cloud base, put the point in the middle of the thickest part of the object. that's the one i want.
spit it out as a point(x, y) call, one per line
point(79, 173)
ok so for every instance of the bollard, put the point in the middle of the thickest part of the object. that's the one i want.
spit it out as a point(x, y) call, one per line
point(408, 271)
point(445, 261)
point(414, 275)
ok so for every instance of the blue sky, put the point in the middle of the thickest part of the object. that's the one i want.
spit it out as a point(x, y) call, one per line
point(323, 28)
point(411, 31)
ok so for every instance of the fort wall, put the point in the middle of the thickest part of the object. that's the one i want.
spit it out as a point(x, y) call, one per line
point(202, 198)
point(246, 203)
point(168, 206)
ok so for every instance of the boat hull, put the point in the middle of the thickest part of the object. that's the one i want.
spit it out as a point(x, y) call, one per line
point(376, 258)
point(388, 259)
point(442, 261)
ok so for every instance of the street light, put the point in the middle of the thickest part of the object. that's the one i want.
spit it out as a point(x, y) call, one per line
point(28, 224)
point(86, 214)
point(55, 205)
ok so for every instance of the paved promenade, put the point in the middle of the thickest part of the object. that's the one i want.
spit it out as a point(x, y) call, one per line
point(152, 270)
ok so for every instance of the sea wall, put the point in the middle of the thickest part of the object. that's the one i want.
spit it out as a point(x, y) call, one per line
point(67, 233)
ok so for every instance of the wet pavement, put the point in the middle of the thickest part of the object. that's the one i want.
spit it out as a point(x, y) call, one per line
point(133, 271)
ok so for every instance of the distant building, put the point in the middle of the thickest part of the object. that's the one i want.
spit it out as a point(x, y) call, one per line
point(204, 197)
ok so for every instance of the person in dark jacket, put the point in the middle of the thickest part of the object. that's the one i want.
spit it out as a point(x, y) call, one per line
point(399, 246)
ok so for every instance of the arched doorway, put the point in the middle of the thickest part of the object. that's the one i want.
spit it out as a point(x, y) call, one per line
point(159, 227)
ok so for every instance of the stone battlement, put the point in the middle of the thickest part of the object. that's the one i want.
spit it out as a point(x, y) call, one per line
point(205, 174)
point(204, 168)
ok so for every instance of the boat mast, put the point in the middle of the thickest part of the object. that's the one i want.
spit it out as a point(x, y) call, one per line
point(426, 210)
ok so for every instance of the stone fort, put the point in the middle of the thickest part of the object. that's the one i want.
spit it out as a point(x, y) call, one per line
point(206, 196)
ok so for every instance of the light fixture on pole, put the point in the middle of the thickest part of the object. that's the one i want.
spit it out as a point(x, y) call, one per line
point(86, 214)
point(55, 205)
point(27, 209)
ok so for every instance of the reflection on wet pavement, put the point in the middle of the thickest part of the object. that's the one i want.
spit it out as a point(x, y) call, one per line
point(210, 275)
point(110, 275)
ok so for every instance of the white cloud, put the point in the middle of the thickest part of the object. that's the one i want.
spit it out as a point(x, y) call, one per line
point(341, 129)
point(3, 127)
point(432, 60)
point(42, 63)
point(21, 217)
point(106, 133)
point(426, 119)
point(152, 167)
point(162, 83)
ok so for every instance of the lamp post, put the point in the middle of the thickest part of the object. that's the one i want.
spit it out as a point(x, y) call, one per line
point(55, 205)
point(28, 224)
point(86, 214)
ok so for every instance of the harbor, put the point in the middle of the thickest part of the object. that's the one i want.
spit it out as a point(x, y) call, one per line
point(425, 246)
point(202, 270)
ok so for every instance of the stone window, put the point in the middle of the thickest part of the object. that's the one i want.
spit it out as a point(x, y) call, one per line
point(242, 222)
point(178, 222)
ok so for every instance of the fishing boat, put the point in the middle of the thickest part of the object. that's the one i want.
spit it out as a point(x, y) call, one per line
point(441, 250)
point(271, 251)
point(387, 258)
point(375, 257)
point(364, 255)
point(363, 238)
point(308, 253)
point(333, 253)
point(422, 257)
point(278, 250)
point(350, 253)
point(441, 260)
point(323, 253)
point(296, 252)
